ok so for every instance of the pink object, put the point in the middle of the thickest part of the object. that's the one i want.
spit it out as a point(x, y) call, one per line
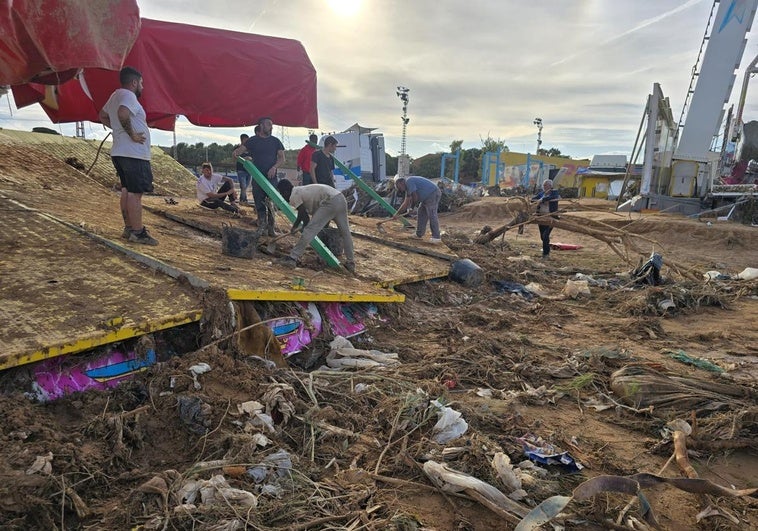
point(294, 333)
point(56, 377)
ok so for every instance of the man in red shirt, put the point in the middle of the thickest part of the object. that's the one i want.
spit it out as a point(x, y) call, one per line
point(304, 160)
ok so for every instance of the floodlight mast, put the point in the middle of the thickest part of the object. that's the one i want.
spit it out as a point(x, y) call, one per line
point(538, 123)
point(402, 93)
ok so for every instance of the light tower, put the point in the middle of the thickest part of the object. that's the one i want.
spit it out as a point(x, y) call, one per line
point(403, 162)
point(538, 123)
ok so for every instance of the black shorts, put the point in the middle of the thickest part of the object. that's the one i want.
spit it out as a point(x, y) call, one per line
point(135, 174)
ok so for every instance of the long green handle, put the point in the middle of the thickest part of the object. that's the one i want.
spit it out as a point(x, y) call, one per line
point(366, 188)
point(322, 250)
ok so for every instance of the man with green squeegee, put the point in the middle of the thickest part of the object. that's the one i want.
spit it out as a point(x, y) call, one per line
point(285, 208)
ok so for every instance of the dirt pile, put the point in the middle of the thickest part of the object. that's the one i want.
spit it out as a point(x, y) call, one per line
point(28, 157)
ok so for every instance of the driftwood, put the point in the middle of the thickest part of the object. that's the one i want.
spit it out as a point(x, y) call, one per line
point(622, 243)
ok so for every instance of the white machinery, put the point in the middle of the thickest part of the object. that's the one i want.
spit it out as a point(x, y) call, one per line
point(680, 164)
point(362, 150)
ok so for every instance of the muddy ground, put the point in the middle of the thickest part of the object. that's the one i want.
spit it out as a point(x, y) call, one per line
point(514, 367)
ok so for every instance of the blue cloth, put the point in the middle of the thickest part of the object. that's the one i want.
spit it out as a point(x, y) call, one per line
point(423, 187)
point(505, 286)
point(551, 198)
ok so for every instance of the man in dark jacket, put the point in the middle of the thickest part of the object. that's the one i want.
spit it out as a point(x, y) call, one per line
point(548, 204)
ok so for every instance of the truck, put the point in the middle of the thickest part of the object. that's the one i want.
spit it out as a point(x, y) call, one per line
point(362, 150)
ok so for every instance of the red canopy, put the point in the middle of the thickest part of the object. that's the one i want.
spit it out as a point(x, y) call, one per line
point(48, 40)
point(213, 77)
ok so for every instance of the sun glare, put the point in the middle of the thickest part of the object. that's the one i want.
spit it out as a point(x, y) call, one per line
point(345, 8)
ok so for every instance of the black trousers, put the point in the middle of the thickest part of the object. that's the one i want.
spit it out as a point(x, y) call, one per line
point(545, 231)
point(219, 202)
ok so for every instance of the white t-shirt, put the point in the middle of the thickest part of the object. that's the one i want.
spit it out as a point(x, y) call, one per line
point(123, 146)
point(208, 186)
point(312, 195)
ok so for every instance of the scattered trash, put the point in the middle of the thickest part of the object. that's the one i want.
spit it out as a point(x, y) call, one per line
point(505, 472)
point(362, 387)
point(650, 271)
point(540, 451)
point(197, 370)
point(536, 289)
point(450, 480)
point(273, 466)
point(716, 275)
point(666, 304)
point(279, 399)
point(505, 286)
point(251, 407)
point(217, 491)
point(700, 363)
point(576, 288)
point(613, 283)
point(466, 272)
point(565, 246)
point(42, 465)
point(450, 425)
point(343, 355)
point(749, 273)
point(194, 413)
point(630, 485)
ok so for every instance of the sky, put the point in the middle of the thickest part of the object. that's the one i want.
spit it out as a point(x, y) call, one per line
point(475, 68)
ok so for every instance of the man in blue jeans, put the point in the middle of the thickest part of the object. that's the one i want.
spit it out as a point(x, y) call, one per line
point(421, 190)
point(242, 176)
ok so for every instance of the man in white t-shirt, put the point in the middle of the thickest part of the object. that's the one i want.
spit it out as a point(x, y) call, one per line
point(324, 204)
point(130, 152)
point(213, 190)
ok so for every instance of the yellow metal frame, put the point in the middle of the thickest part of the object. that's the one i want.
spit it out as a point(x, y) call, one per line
point(102, 338)
point(310, 296)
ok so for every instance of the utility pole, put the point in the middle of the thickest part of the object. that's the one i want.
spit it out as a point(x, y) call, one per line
point(403, 163)
point(538, 123)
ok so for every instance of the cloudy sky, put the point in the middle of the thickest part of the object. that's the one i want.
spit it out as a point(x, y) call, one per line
point(475, 68)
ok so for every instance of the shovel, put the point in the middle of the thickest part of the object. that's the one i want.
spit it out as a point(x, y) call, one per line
point(382, 229)
point(271, 247)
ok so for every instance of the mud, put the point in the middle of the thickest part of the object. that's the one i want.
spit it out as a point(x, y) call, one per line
point(358, 440)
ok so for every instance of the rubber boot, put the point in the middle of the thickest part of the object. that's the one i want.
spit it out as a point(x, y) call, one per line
point(262, 223)
point(270, 225)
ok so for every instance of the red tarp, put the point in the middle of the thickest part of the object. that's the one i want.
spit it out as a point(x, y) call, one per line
point(213, 77)
point(48, 40)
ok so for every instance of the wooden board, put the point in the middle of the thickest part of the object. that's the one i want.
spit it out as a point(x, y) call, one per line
point(62, 292)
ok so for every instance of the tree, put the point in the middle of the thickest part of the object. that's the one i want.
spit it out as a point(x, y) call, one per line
point(493, 145)
point(469, 165)
point(427, 166)
point(553, 152)
point(390, 164)
point(455, 145)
